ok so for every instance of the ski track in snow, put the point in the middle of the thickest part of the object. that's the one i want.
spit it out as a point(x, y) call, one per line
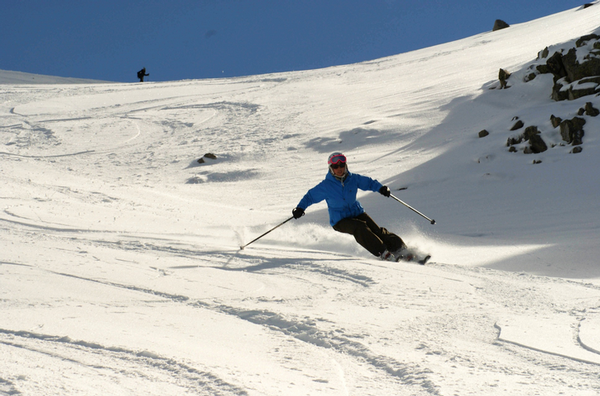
point(116, 362)
point(108, 365)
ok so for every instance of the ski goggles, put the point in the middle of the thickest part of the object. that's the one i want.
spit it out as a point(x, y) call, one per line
point(337, 159)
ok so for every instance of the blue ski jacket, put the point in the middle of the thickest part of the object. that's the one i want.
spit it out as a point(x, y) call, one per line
point(340, 195)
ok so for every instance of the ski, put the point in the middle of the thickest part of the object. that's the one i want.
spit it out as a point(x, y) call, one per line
point(424, 260)
point(410, 257)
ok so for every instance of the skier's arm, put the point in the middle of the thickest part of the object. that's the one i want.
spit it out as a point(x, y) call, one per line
point(365, 183)
point(314, 195)
point(368, 184)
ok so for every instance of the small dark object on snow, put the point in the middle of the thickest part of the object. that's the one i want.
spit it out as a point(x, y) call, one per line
point(572, 132)
point(500, 24)
point(207, 155)
point(503, 75)
point(518, 125)
point(141, 74)
point(555, 121)
point(537, 144)
point(591, 110)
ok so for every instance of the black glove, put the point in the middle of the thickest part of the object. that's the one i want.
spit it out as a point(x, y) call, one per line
point(385, 191)
point(297, 213)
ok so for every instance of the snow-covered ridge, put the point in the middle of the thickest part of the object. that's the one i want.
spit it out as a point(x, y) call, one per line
point(18, 78)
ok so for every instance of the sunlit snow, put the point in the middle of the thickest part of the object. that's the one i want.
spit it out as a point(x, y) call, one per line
point(120, 264)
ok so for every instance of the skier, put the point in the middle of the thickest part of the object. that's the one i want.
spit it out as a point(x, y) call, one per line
point(141, 74)
point(346, 214)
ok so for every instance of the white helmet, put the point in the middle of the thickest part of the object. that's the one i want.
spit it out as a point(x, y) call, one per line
point(334, 161)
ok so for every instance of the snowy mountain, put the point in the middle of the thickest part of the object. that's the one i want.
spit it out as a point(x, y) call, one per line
point(120, 266)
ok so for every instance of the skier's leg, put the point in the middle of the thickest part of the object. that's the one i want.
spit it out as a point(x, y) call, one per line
point(362, 233)
point(391, 241)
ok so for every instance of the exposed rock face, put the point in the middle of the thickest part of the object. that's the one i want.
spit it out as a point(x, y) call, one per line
point(572, 79)
point(576, 73)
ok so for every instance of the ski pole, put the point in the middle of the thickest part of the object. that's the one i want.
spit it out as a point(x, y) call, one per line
point(413, 209)
point(254, 240)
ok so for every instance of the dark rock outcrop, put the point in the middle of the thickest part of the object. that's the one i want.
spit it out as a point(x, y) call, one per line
point(518, 125)
point(537, 144)
point(503, 75)
point(590, 110)
point(575, 71)
point(500, 24)
point(555, 121)
point(571, 131)
point(207, 155)
point(572, 79)
point(531, 135)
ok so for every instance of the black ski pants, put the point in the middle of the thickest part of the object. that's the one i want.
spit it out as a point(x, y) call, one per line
point(369, 235)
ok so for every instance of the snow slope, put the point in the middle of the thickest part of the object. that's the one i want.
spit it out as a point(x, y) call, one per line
point(120, 267)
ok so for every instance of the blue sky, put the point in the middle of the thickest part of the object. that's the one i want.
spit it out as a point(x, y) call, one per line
point(194, 39)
